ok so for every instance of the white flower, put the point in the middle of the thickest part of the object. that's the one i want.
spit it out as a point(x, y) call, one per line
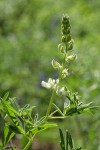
point(61, 91)
point(45, 84)
point(51, 84)
point(64, 73)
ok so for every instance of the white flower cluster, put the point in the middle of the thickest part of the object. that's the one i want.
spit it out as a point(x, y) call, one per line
point(51, 84)
point(54, 84)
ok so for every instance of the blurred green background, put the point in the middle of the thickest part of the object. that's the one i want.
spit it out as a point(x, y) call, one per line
point(29, 36)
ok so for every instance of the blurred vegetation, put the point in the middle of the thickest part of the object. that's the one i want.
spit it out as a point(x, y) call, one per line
point(29, 35)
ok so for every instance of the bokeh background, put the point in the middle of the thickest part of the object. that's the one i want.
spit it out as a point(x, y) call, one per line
point(29, 35)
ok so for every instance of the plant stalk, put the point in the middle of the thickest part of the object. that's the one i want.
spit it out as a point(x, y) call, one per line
point(29, 143)
point(50, 104)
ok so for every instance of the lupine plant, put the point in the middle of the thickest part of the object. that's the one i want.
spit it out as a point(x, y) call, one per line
point(21, 120)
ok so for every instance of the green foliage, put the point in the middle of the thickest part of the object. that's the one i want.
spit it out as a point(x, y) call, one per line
point(67, 142)
point(29, 33)
point(21, 120)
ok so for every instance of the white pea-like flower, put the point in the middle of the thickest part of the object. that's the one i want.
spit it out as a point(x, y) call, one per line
point(65, 73)
point(51, 84)
point(61, 91)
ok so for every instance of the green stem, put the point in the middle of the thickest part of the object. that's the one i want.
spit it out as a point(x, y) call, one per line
point(29, 143)
point(58, 117)
point(50, 104)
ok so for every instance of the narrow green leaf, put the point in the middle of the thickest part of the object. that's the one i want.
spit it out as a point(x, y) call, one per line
point(14, 104)
point(7, 135)
point(49, 125)
point(66, 140)
point(14, 129)
point(62, 143)
point(6, 96)
point(36, 119)
point(70, 141)
point(71, 111)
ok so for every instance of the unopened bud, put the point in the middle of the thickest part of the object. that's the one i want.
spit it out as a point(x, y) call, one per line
point(59, 46)
point(71, 57)
point(63, 39)
point(62, 49)
point(64, 73)
point(55, 64)
point(68, 37)
point(70, 47)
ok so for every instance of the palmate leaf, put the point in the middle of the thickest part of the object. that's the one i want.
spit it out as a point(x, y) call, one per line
point(19, 119)
point(13, 115)
point(72, 110)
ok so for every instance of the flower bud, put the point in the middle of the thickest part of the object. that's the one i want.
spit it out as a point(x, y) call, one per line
point(61, 91)
point(71, 58)
point(63, 39)
point(55, 64)
point(68, 37)
point(70, 46)
point(61, 48)
point(64, 73)
point(68, 30)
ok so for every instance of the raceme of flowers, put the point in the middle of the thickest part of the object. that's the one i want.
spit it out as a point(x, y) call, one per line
point(65, 46)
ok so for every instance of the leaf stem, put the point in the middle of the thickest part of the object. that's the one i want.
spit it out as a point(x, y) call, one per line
point(58, 117)
point(50, 104)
